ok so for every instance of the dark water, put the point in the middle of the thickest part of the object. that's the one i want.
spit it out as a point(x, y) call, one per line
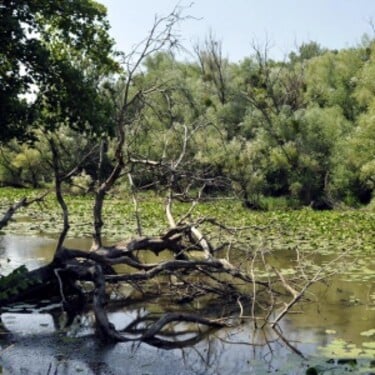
point(323, 335)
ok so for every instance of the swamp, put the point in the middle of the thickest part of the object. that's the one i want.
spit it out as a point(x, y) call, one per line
point(167, 210)
point(331, 331)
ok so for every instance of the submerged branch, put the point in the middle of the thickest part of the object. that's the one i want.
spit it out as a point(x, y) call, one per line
point(319, 275)
point(24, 202)
point(109, 332)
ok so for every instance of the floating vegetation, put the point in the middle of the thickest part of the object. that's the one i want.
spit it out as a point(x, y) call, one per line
point(316, 235)
point(340, 348)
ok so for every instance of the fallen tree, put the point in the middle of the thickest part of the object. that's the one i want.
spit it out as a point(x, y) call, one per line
point(199, 290)
point(189, 278)
point(200, 287)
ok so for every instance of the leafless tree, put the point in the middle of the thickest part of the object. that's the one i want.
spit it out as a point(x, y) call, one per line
point(214, 65)
point(234, 292)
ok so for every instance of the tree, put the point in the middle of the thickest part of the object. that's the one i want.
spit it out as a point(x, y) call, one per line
point(197, 277)
point(214, 66)
point(353, 168)
point(273, 92)
point(306, 51)
point(331, 80)
point(318, 141)
point(51, 59)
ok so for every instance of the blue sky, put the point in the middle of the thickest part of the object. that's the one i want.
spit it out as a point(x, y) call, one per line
point(334, 24)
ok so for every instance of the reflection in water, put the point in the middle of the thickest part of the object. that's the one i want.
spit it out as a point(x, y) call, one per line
point(343, 309)
point(31, 251)
point(236, 351)
point(24, 324)
point(228, 351)
point(340, 310)
point(18, 250)
point(239, 350)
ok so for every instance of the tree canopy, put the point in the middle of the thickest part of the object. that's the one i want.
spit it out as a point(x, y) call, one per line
point(292, 129)
point(52, 56)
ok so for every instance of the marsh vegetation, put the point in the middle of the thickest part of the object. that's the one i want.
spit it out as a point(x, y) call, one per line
point(333, 320)
point(206, 196)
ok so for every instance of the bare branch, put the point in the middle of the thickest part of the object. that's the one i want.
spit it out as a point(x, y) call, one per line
point(24, 202)
point(298, 295)
point(135, 202)
point(59, 195)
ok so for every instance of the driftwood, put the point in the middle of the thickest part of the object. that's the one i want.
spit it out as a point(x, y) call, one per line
point(70, 266)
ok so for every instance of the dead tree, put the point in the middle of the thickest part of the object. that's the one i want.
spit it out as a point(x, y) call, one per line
point(214, 66)
point(24, 202)
point(192, 273)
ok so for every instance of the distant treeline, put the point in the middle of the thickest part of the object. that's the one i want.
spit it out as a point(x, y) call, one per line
point(302, 129)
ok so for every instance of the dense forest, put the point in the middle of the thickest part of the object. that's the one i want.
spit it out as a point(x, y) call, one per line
point(301, 130)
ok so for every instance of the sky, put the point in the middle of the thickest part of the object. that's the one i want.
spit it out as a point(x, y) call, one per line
point(238, 24)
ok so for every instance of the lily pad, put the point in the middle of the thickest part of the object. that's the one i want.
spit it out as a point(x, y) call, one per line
point(330, 332)
point(369, 345)
point(370, 332)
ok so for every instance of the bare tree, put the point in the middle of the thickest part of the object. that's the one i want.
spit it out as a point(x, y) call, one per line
point(233, 292)
point(214, 65)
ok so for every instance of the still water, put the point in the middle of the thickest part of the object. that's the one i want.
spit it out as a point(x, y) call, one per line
point(334, 334)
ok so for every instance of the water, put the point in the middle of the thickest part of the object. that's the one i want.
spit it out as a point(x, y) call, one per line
point(31, 251)
point(322, 334)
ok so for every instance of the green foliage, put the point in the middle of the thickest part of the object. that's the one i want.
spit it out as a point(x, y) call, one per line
point(306, 51)
point(281, 229)
point(30, 164)
point(300, 130)
point(331, 80)
point(15, 282)
point(243, 161)
point(52, 55)
point(81, 183)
